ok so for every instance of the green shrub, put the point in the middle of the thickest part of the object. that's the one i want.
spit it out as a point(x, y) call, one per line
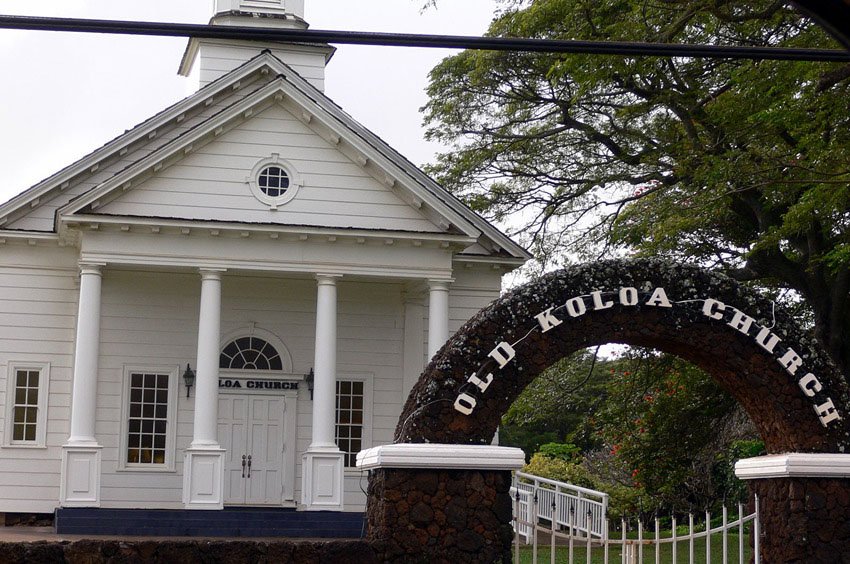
point(560, 451)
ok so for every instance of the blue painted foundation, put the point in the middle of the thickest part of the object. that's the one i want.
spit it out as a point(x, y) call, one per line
point(230, 522)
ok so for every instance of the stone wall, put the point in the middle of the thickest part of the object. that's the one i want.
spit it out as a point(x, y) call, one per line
point(445, 516)
point(170, 551)
point(804, 519)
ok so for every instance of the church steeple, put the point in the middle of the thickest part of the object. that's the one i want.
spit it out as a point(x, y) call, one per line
point(217, 57)
point(293, 8)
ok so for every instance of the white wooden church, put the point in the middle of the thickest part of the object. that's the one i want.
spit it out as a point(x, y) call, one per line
point(223, 305)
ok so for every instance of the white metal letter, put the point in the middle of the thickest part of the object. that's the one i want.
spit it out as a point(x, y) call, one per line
point(827, 413)
point(791, 361)
point(741, 322)
point(465, 403)
point(547, 320)
point(710, 305)
point(767, 340)
point(659, 298)
point(503, 354)
point(810, 384)
point(576, 307)
point(481, 384)
point(628, 296)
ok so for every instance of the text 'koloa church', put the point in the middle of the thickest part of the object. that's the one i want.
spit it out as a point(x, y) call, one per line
point(252, 235)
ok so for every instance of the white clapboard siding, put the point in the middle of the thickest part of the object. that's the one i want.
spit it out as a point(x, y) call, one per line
point(211, 183)
point(38, 301)
point(220, 57)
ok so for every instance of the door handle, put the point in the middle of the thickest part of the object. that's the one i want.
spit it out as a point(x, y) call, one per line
point(243, 466)
point(249, 465)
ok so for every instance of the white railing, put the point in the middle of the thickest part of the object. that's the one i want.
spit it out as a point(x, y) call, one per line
point(563, 505)
point(637, 545)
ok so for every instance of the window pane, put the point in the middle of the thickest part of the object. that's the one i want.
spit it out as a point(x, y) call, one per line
point(21, 380)
point(250, 353)
point(32, 414)
point(349, 418)
point(148, 418)
point(18, 432)
point(21, 396)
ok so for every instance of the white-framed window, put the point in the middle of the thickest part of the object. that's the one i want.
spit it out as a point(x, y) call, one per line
point(26, 404)
point(353, 429)
point(149, 418)
point(274, 181)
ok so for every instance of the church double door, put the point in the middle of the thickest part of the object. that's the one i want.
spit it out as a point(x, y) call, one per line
point(252, 429)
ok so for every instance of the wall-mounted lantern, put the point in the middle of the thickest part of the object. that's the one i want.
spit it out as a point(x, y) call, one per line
point(189, 378)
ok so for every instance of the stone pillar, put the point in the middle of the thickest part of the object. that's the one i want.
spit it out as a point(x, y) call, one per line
point(322, 464)
point(804, 505)
point(440, 503)
point(438, 315)
point(81, 454)
point(203, 470)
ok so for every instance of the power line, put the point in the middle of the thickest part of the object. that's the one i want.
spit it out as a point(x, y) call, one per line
point(622, 48)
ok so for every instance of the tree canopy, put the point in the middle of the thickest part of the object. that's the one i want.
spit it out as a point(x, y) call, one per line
point(736, 164)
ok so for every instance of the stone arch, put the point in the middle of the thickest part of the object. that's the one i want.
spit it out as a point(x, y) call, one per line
point(786, 404)
point(798, 400)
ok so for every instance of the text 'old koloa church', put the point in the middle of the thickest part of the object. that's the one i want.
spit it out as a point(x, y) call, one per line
point(257, 236)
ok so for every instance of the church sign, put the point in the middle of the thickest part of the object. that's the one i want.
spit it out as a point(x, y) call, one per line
point(256, 385)
point(627, 296)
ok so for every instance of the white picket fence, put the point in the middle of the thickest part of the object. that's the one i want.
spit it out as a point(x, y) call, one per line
point(582, 528)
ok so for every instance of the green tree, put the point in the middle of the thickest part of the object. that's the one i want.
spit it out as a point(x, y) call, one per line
point(558, 406)
point(742, 165)
point(675, 430)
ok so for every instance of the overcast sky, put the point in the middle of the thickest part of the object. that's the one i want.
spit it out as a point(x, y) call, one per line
point(65, 94)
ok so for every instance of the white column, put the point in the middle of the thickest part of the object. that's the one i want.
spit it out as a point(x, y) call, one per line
point(438, 315)
point(324, 366)
point(206, 379)
point(414, 339)
point(322, 464)
point(81, 454)
point(203, 470)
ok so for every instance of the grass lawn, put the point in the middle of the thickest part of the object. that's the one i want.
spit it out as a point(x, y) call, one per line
point(614, 554)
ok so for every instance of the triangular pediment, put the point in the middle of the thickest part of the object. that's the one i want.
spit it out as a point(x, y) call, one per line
point(194, 161)
point(213, 181)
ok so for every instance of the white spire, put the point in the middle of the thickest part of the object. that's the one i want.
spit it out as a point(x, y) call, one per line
point(217, 57)
point(276, 7)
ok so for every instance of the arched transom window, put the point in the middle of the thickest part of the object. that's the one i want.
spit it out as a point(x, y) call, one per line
point(250, 353)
